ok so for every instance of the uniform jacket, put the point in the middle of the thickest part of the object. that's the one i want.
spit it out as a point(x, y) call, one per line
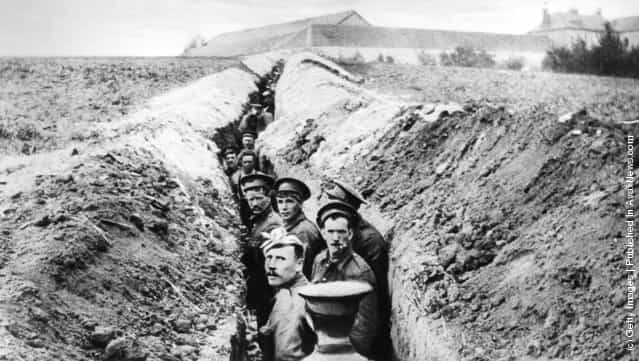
point(369, 243)
point(258, 292)
point(289, 334)
point(310, 235)
point(353, 267)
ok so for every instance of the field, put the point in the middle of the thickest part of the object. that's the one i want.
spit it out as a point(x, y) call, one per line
point(45, 103)
point(502, 218)
point(606, 98)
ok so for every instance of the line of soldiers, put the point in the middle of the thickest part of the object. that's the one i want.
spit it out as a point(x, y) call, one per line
point(283, 249)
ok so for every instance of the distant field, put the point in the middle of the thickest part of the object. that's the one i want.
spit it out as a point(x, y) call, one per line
point(46, 102)
point(605, 98)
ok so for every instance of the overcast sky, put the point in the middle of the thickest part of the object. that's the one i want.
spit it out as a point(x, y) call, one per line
point(164, 27)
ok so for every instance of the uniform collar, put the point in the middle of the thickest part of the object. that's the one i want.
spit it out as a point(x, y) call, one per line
point(263, 215)
point(299, 281)
point(297, 220)
point(340, 263)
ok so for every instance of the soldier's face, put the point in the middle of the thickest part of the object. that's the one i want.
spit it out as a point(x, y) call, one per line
point(338, 236)
point(248, 142)
point(257, 201)
point(230, 158)
point(248, 163)
point(281, 265)
point(288, 207)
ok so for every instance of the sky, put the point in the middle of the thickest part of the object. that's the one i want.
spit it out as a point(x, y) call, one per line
point(164, 27)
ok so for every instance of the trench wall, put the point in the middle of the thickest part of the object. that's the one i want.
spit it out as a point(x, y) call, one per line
point(325, 126)
point(143, 230)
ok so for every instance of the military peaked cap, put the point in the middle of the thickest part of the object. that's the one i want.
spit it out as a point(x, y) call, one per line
point(337, 298)
point(288, 184)
point(346, 193)
point(229, 149)
point(336, 208)
point(250, 132)
point(256, 180)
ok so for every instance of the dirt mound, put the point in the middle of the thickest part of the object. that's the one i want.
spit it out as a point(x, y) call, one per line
point(125, 248)
point(506, 238)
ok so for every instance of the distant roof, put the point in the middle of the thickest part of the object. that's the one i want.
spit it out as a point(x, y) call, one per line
point(293, 26)
point(255, 40)
point(630, 23)
point(572, 20)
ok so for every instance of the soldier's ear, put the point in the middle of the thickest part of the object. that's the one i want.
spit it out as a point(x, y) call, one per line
point(350, 234)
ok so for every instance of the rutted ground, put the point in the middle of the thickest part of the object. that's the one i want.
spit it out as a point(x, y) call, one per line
point(47, 103)
point(506, 239)
point(124, 247)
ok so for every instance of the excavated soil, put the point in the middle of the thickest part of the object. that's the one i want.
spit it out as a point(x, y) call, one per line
point(504, 215)
point(123, 246)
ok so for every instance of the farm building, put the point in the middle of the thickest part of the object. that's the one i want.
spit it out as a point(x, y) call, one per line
point(563, 28)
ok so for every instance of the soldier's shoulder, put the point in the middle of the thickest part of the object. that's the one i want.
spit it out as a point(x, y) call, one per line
point(361, 269)
point(321, 257)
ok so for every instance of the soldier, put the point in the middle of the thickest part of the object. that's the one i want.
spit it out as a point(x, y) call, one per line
point(339, 263)
point(248, 162)
point(253, 120)
point(248, 139)
point(369, 243)
point(290, 195)
point(286, 335)
point(257, 188)
point(229, 158)
point(248, 142)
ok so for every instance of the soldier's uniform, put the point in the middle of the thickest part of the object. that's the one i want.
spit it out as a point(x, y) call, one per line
point(351, 266)
point(229, 168)
point(301, 226)
point(258, 292)
point(287, 335)
point(369, 243)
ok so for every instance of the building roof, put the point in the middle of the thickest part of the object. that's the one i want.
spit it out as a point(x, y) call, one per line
point(267, 37)
point(630, 23)
point(571, 19)
point(383, 37)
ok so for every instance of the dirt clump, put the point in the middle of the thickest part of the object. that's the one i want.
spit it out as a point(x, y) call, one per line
point(117, 231)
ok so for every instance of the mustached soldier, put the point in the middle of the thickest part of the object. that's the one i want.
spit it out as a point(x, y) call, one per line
point(286, 335)
point(290, 195)
point(257, 189)
point(369, 243)
point(338, 262)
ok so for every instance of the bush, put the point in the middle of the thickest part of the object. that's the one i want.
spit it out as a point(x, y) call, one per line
point(356, 59)
point(426, 59)
point(513, 63)
point(610, 56)
point(380, 58)
point(389, 59)
point(467, 56)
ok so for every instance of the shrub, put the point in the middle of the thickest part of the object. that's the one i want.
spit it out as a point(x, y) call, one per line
point(356, 59)
point(513, 63)
point(425, 58)
point(389, 59)
point(467, 56)
point(380, 58)
point(611, 56)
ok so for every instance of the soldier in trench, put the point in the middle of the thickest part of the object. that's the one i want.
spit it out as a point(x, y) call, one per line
point(248, 161)
point(257, 190)
point(337, 221)
point(369, 243)
point(229, 157)
point(287, 335)
point(290, 195)
point(255, 120)
point(248, 143)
